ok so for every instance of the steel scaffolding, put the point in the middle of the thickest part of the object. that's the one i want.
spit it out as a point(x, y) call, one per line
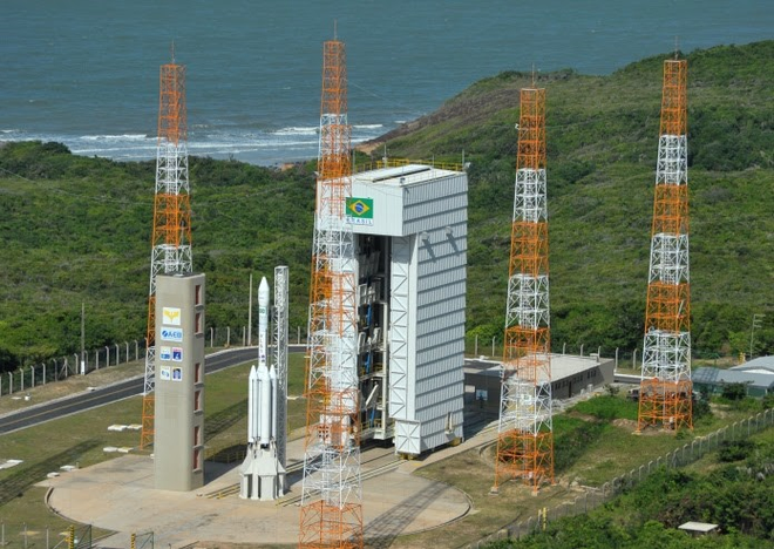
point(331, 504)
point(525, 440)
point(171, 236)
point(666, 388)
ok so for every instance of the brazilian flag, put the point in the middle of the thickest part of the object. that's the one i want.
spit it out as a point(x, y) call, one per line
point(360, 211)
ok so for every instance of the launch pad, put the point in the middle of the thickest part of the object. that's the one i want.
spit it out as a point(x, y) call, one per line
point(119, 495)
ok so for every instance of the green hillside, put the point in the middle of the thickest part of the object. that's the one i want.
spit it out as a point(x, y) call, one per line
point(602, 136)
point(77, 229)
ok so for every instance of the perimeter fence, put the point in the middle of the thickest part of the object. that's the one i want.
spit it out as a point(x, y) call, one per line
point(56, 369)
point(594, 497)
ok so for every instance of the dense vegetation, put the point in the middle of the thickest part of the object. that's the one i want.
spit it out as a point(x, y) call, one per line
point(78, 229)
point(602, 142)
point(737, 495)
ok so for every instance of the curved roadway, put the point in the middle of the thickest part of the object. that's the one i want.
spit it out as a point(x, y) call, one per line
point(110, 393)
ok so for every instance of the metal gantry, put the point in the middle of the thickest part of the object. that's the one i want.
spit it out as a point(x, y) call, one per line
point(666, 388)
point(171, 236)
point(525, 440)
point(281, 308)
point(331, 501)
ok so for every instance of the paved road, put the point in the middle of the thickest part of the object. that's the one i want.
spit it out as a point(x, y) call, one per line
point(105, 395)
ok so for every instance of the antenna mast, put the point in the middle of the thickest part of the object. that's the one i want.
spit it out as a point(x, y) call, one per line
point(666, 387)
point(525, 447)
point(331, 499)
point(171, 237)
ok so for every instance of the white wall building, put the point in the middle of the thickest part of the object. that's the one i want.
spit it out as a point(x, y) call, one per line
point(410, 224)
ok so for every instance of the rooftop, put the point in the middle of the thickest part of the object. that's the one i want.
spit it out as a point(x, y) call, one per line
point(562, 366)
point(753, 376)
point(406, 174)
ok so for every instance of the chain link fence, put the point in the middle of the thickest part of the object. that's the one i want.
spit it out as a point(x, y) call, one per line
point(55, 369)
point(594, 497)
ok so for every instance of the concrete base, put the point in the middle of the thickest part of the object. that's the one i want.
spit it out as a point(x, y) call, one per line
point(119, 495)
point(261, 476)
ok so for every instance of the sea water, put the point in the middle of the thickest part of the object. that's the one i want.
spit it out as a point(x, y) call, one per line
point(85, 72)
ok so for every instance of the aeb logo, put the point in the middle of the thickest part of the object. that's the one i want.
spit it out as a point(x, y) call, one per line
point(171, 334)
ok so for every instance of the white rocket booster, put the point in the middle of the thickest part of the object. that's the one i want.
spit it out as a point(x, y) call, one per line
point(262, 392)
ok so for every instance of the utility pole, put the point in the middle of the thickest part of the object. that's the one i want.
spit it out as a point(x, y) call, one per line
point(83, 337)
point(756, 323)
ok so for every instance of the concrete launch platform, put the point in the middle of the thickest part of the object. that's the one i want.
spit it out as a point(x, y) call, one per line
point(119, 495)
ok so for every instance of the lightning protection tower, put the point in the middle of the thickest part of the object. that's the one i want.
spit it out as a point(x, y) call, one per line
point(331, 505)
point(525, 441)
point(171, 237)
point(666, 388)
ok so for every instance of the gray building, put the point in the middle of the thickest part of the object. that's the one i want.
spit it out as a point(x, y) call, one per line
point(410, 223)
point(179, 389)
point(757, 375)
point(570, 376)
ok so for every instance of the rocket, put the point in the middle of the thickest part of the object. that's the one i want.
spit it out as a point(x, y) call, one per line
point(262, 476)
point(263, 319)
point(262, 384)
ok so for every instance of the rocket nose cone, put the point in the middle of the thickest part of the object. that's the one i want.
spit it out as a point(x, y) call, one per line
point(253, 372)
point(264, 285)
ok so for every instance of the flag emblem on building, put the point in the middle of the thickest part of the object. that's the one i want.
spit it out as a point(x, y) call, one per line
point(360, 211)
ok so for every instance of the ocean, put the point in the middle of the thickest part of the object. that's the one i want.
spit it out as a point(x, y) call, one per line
point(85, 72)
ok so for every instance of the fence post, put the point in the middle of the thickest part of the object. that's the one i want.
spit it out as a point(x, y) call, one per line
point(107, 356)
point(228, 336)
point(10, 382)
point(493, 346)
point(21, 371)
point(136, 351)
point(96, 358)
point(32, 376)
point(616, 359)
point(244, 336)
point(298, 335)
point(475, 347)
point(564, 348)
point(44, 374)
point(118, 355)
point(581, 349)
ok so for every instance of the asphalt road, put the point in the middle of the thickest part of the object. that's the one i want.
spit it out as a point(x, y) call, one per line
point(131, 387)
point(105, 395)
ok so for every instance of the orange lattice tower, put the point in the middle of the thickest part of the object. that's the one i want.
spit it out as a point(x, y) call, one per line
point(331, 504)
point(525, 443)
point(171, 236)
point(666, 388)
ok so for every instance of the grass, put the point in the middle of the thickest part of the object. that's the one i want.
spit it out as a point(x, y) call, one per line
point(612, 451)
point(79, 439)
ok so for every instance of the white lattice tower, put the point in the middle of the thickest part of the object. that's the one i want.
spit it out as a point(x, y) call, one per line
point(666, 389)
point(281, 307)
point(171, 236)
point(331, 504)
point(525, 440)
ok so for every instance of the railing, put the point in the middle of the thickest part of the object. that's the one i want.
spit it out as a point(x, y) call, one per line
point(685, 455)
point(400, 162)
point(492, 348)
point(56, 369)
